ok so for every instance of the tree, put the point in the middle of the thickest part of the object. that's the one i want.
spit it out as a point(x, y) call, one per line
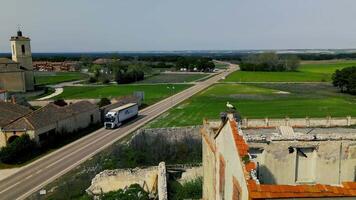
point(103, 102)
point(345, 80)
point(270, 61)
point(19, 150)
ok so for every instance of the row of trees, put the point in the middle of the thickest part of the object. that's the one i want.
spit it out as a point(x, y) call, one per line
point(345, 80)
point(121, 73)
point(192, 63)
point(270, 62)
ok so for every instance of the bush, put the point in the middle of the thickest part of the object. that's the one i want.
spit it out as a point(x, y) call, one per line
point(189, 190)
point(92, 80)
point(133, 192)
point(103, 102)
point(18, 151)
point(345, 80)
point(60, 102)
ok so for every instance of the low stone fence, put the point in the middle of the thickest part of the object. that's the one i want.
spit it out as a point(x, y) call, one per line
point(299, 122)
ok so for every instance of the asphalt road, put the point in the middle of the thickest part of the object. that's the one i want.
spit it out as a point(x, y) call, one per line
point(41, 172)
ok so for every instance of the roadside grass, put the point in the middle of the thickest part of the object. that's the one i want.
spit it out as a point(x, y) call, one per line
point(50, 78)
point(308, 72)
point(173, 78)
point(260, 101)
point(153, 93)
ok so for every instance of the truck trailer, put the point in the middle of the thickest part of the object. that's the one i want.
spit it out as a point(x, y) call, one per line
point(115, 117)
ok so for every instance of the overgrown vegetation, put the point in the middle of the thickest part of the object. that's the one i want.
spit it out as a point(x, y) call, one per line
point(345, 80)
point(19, 151)
point(189, 190)
point(146, 150)
point(133, 192)
point(270, 62)
point(104, 102)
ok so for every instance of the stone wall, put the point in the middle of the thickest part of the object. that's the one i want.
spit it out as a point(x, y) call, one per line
point(112, 180)
point(299, 122)
point(172, 134)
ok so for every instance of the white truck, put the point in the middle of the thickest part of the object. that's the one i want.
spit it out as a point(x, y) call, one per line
point(115, 117)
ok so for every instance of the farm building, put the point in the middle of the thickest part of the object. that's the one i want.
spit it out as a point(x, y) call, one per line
point(51, 119)
point(10, 112)
point(277, 163)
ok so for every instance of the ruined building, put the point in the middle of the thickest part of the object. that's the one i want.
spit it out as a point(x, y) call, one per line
point(278, 162)
point(17, 75)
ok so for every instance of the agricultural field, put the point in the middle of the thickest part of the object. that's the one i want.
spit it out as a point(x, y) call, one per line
point(153, 93)
point(260, 101)
point(50, 78)
point(173, 78)
point(309, 71)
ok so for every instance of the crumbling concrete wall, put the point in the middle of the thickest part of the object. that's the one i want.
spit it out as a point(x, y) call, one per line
point(334, 161)
point(112, 180)
point(171, 134)
point(299, 122)
point(162, 182)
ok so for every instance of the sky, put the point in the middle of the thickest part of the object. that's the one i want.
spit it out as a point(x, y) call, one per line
point(165, 25)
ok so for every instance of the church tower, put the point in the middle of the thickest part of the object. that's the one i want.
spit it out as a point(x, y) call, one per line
point(21, 53)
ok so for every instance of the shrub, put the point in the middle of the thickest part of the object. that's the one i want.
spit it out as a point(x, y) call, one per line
point(92, 80)
point(18, 151)
point(103, 102)
point(133, 192)
point(60, 102)
point(189, 190)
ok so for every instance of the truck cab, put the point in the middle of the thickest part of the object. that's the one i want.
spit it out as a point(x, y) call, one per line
point(115, 117)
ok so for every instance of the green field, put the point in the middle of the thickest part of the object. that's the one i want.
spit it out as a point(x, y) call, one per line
point(260, 101)
point(173, 78)
point(50, 78)
point(153, 93)
point(312, 71)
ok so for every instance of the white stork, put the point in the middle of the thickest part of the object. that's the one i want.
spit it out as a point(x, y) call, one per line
point(230, 106)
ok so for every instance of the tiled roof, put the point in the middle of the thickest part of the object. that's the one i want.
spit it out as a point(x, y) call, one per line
point(263, 191)
point(48, 115)
point(10, 112)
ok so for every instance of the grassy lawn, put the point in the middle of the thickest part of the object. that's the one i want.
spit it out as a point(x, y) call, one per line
point(173, 78)
point(49, 78)
point(153, 93)
point(312, 71)
point(259, 101)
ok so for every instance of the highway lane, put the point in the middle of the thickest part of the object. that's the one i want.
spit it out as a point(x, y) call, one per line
point(41, 172)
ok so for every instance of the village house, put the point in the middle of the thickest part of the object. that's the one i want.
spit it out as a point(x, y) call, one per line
point(10, 112)
point(277, 163)
point(51, 119)
point(66, 66)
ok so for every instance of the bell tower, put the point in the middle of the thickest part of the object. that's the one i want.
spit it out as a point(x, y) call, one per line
point(21, 53)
